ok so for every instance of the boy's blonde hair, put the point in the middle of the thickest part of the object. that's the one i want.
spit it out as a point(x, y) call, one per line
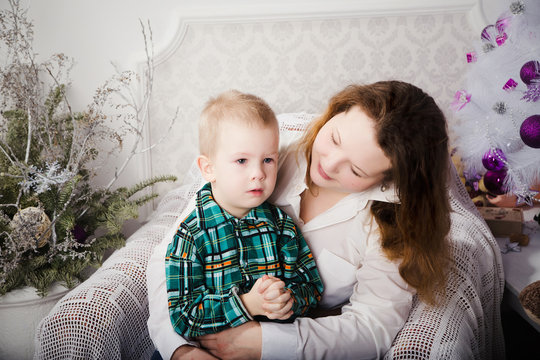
point(231, 105)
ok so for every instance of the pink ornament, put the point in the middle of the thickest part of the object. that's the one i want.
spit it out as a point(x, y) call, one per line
point(461, 98)
point(471, 57)
point(530, 131)
point(530, 72)
point(489, 34)
point(510, 85)
point(494, 159)
point(494, 180)
point(501, 39)
point(503, 22)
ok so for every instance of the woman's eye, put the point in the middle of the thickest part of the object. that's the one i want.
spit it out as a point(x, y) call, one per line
point(333, 139)
point(355, 173)
point(268, 160)
point(241, 161)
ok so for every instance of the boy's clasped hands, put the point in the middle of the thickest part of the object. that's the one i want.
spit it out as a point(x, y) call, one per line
point(270, 298)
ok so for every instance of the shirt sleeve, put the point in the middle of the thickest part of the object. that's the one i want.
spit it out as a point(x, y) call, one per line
point(299, 270)
point(165, 338)
point(378, 308)
point(194, 308)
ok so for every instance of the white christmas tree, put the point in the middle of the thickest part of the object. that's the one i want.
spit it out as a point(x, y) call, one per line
point(498, 127)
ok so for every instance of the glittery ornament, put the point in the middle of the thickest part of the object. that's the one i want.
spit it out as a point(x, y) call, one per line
point(499, 107)
point(530, 72)
point(533, 92)
point(530, 131)
point(501, 39)
point(489, 34)
point(79, 234)
point(517, 7)
point(488, 47)
point(461, 98)
point(494, 180)
point(510, 85)
point(32, 225)
point(503, 22)
point(494, 159)
point(471, 57)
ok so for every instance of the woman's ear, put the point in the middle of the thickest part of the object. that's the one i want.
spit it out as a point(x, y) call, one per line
point(206, 168)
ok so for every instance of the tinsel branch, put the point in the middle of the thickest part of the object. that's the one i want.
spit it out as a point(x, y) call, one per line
point(53, 221)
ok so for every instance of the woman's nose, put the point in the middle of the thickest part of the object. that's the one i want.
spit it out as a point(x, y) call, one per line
point(332, 162)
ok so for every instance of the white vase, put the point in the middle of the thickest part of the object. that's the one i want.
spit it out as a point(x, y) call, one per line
point(21, 310)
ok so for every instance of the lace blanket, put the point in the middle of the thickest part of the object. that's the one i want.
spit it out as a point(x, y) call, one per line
point(105, 317)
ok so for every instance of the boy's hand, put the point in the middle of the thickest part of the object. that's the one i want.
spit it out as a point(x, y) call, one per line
point(254, 299)
point(268, 297)
point(278, 302)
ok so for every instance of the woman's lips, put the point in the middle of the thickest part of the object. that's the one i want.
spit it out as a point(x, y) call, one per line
point(323, 174)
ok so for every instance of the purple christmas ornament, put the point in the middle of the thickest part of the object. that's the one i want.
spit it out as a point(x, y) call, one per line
point(530, 72)
point(79, 233)
point(494, 159)
point(494, 180)
point(489, 34)
point(503, 22)
point(530, 131)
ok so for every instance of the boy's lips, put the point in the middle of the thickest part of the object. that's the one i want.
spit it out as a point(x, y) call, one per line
point(256, 191)
point(323, 173)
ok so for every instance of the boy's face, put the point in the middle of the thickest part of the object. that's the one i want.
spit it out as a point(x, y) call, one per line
point(243, 169)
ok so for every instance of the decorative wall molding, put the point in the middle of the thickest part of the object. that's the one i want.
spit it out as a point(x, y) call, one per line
point(298, 59)
point(231, 11)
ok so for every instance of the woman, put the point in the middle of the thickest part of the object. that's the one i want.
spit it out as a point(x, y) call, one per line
point(367, 186)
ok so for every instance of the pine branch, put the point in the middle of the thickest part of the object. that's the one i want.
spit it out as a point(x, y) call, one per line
point(149, 182)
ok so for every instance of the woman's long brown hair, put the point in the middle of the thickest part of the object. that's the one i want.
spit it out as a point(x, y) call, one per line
point(411, 130)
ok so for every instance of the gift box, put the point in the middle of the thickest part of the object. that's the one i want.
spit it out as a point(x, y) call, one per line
point(503, 222)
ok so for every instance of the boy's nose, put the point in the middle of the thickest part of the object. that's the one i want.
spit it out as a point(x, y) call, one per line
point(258, 173)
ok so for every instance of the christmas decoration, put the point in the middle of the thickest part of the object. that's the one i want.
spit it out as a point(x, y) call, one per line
point(497, 130)
point(33, 226)
point(494, 159)
point(530, 131)
point(54, 222)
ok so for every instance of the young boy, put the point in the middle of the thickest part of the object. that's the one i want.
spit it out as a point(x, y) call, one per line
point(234, 240)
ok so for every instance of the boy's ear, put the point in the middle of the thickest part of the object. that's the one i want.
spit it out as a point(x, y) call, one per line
point(206, 168)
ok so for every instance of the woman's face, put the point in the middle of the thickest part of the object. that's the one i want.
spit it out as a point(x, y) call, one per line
point(345, 154)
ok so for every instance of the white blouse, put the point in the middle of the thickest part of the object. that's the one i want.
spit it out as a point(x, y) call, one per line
point(346, 247)
point(345, 244)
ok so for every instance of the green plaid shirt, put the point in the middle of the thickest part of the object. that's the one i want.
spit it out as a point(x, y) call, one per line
point(215, 256)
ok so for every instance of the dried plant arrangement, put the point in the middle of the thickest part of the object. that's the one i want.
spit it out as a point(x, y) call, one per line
point(54, 222)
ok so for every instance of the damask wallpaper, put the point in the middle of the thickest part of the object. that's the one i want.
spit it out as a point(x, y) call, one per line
point(296, 65)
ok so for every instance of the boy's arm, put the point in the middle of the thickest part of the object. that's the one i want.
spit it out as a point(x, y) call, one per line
point(193, 308)
point(300, 272)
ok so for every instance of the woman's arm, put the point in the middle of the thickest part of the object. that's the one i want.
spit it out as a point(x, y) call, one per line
point(241, 342)
point(378, 308)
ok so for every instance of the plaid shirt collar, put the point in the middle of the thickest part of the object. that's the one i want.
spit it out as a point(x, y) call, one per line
point(210, 214)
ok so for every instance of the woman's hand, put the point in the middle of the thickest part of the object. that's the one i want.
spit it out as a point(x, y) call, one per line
point(188, 352)
point(241, 342)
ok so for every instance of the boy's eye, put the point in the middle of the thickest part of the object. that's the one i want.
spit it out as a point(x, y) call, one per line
point(241, 161)
point(268, 160)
